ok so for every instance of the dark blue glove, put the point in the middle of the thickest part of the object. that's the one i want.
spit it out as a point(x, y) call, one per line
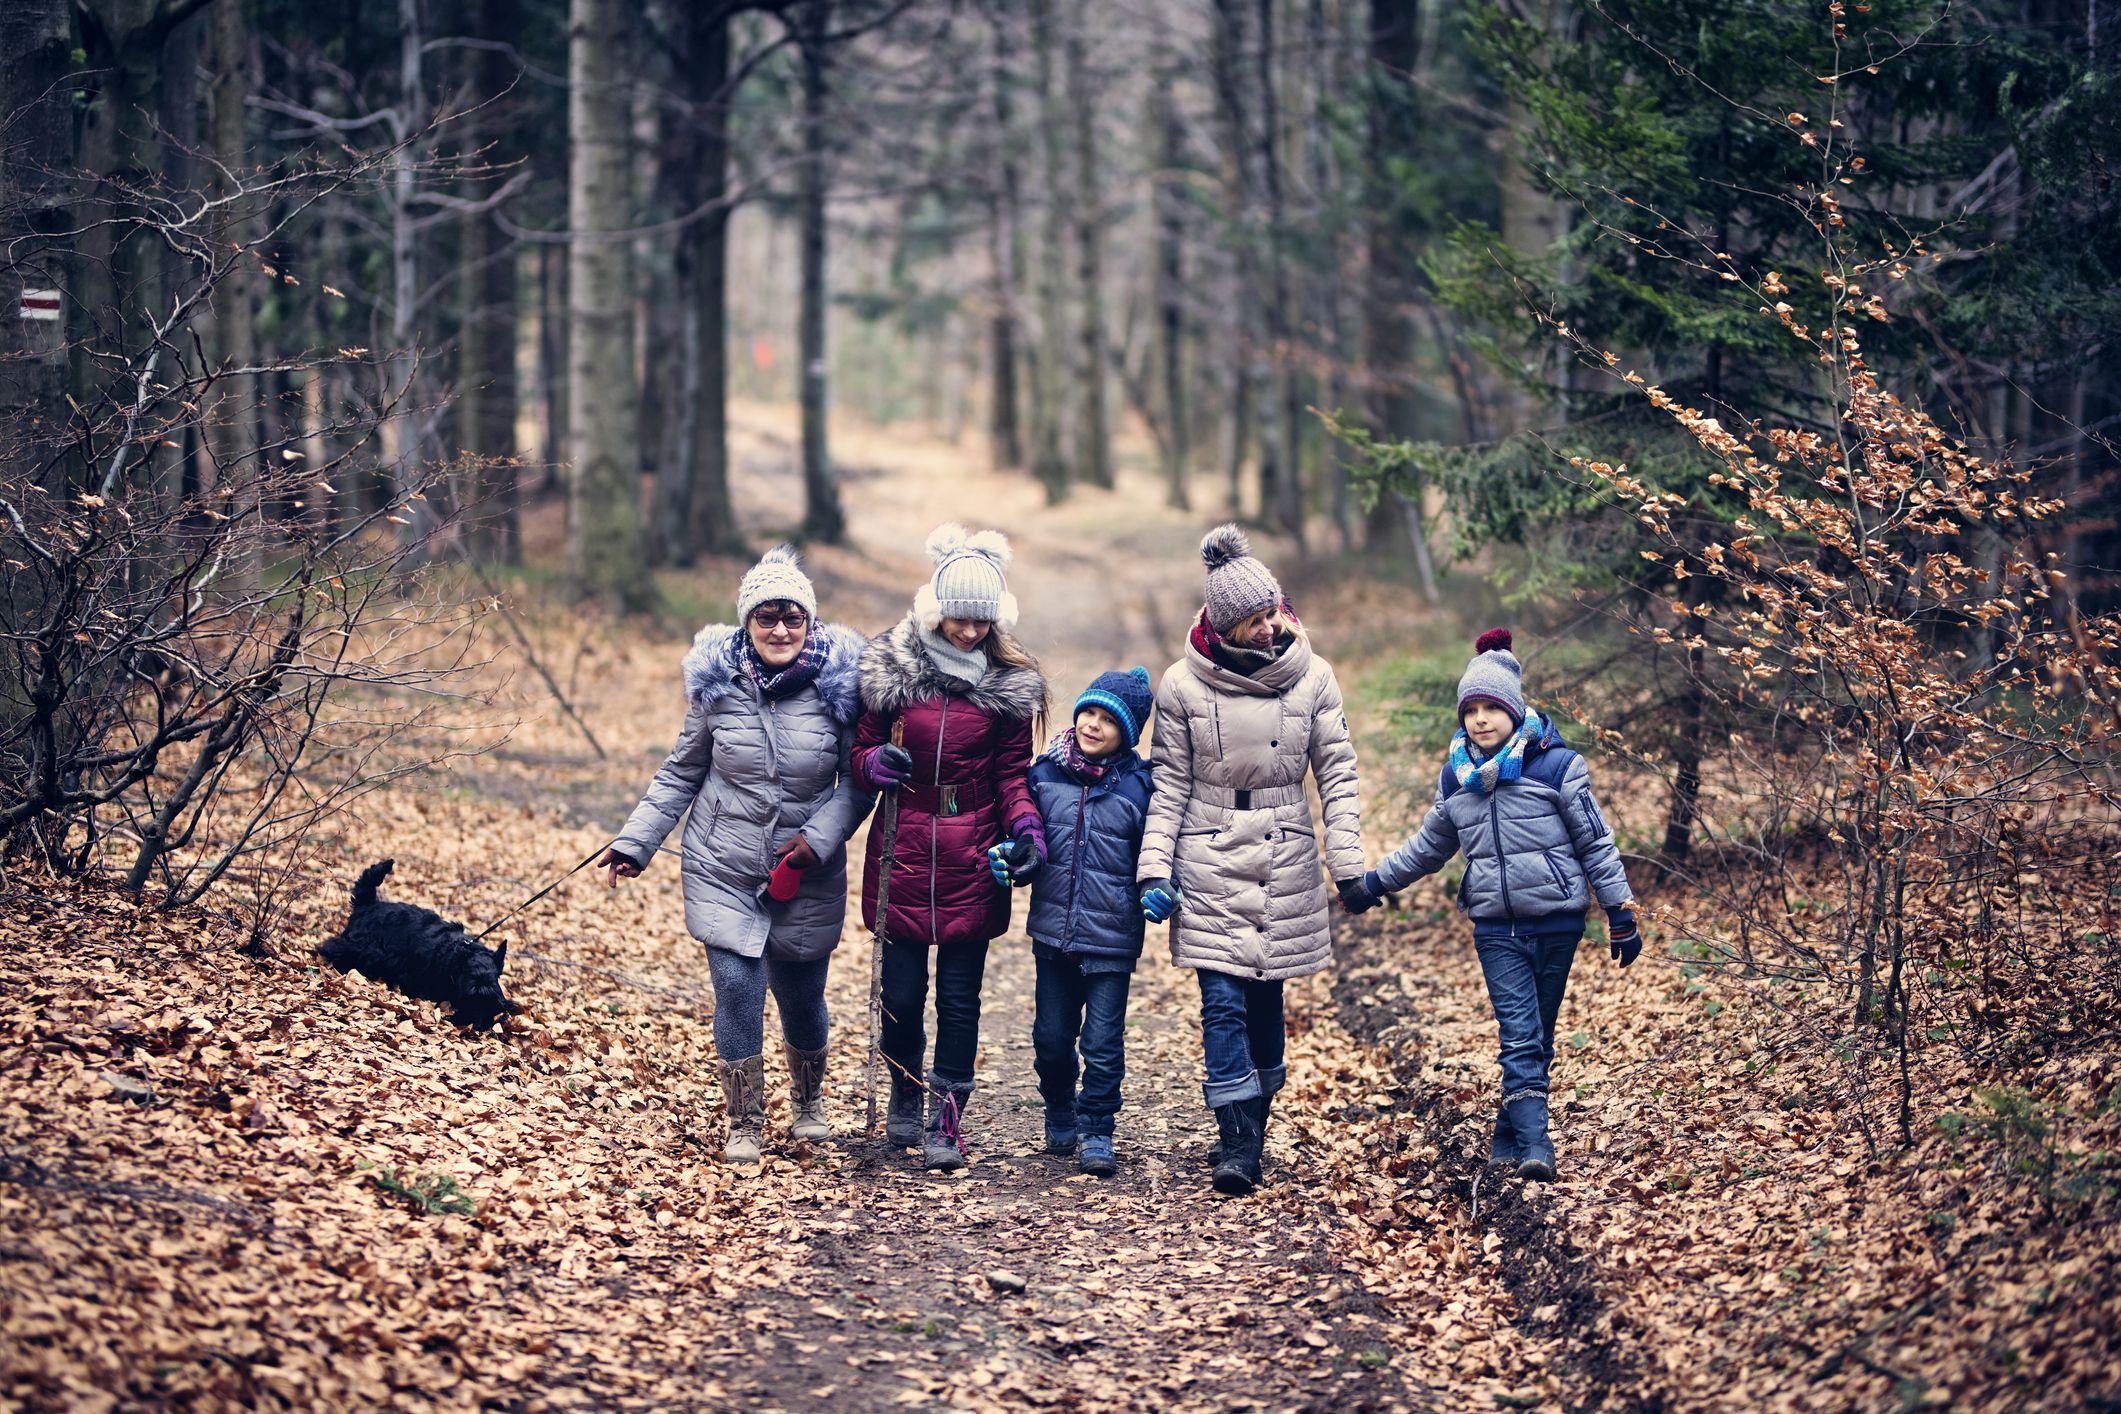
point(1621, 932)
point(1355, 895)
point(1159, 900)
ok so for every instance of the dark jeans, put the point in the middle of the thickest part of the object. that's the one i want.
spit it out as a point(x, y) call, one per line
point(959, 968)
point(1527, 973)
point(1242, 1035)
point(1087, 1009)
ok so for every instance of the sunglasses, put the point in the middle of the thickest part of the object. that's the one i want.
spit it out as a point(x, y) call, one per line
point(786, 618)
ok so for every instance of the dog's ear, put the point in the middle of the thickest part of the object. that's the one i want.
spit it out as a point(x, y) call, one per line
point(500, 955)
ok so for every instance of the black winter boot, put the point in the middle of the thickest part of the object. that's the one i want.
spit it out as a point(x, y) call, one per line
point(902, 1122)
point(944, 1145)
point(1528, 1117)
point(1503, 1148)
point(1266, 1111)
point(1243, 1134)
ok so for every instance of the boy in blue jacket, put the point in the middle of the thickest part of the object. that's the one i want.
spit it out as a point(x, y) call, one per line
point(1519, 803)
point(1092, 792)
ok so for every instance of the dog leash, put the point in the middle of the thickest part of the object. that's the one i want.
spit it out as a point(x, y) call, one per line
point(594, 856)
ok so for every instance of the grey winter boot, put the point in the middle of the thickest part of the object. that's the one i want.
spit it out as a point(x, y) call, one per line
point(1502, 1149)
point(1528, 1117)
point(902, 1122)
point(744, 1091)
point(806, 1093)
point(944, 1146)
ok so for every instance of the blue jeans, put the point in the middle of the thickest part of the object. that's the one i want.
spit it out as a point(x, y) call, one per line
point(1527, 972)
point(959, 970)
point(740, 986)
point(1242, 1037)
point(1075, 1008)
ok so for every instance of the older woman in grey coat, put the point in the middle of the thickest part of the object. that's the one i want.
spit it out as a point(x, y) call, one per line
point(762, 767)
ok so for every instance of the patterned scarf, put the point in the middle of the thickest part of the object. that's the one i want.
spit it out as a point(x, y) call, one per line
point(776, 683)
point(1481, 773)
point(1064, 750)
point(1246, 661)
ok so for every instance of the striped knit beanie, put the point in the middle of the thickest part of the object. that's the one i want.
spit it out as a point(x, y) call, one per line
point(1126, 696)
point(970, 580)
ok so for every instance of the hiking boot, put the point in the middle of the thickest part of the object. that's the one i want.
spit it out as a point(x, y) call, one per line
point(1243, 1134)
point(806, 1093)
point(944, 1145)
point(1096, 1156)
point(1266, 1108)
point(744, 1092)
point(1060, 1134)
point(1528, 1117)
point(1502, 1149)
point(902, 1122)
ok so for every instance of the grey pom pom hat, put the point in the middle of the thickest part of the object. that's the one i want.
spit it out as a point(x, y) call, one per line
point(1239, 586)
point(971, 578)
point(1494, 676)
point(777, 575)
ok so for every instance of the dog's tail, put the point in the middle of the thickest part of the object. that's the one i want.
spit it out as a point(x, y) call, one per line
point(364, 889)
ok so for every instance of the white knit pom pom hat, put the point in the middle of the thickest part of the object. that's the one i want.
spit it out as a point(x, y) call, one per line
point(969, 581)
point(777, 575)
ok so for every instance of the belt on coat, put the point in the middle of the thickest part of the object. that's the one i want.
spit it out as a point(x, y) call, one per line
point(1260, 798)
point(948, 798)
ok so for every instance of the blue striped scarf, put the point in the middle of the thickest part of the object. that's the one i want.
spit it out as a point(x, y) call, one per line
point(1481, 773)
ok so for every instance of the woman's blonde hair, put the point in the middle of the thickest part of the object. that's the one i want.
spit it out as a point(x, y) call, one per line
point(1004, 649)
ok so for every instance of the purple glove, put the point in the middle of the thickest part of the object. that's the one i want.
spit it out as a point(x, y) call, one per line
point(888, 766)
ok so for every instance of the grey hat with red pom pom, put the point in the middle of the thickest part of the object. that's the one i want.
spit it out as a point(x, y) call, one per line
point(1494, 675)
point(1238, 585)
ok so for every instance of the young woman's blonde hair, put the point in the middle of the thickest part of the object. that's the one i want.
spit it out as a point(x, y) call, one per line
point(1005, 650)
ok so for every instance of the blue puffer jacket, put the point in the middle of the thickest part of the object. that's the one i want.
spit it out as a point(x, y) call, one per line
point(1084, 900)
point(1537, 849)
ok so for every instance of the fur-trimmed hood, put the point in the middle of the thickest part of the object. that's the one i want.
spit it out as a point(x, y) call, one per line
point(710, 667)
point(897, 670)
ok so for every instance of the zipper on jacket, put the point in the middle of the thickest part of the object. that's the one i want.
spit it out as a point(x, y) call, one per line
point(1502, 858)
point(1554, 871)
point(1075, 871)
point(935, 822)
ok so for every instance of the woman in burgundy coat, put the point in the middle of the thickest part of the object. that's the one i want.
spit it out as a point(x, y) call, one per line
point(964, 694)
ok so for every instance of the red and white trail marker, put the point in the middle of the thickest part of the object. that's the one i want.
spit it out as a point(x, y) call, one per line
point(40, 304)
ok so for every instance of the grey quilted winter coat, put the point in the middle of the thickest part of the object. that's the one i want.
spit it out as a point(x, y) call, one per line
point(753, 772)
point(1537, 849)
point(1230, 822)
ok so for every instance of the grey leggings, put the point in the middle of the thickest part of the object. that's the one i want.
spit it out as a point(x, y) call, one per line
point(740, 985)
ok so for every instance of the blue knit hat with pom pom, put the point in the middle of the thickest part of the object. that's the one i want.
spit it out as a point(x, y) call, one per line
point(1127, 696)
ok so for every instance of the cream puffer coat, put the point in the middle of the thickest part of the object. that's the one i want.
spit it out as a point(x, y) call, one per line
point(1230, 822)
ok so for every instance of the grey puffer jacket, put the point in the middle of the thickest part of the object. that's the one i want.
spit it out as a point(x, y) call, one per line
point(1537, 849)
point(753, 772)
point(1230, 822)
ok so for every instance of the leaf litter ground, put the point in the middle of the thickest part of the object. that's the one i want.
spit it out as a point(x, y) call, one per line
point(225, 1179)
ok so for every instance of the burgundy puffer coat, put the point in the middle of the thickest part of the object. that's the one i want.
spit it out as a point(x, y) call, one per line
point(970, 749)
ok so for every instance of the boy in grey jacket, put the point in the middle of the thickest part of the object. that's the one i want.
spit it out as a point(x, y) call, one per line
point(1518, 802)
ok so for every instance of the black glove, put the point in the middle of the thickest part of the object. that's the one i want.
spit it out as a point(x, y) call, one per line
point(892, 765)
point(1354, 897)
point(1014, 861)
point(1621, 932)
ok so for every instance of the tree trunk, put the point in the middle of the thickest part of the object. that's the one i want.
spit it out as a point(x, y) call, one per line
point(1005, 202)
point(552, 361)
point(35, 40)
point(1286, 503)
point(400, 432)
point(486, 349)
point(604, 521)
point(1240, 298)
point(1093, 438)
point(1049, 374)
point(713, 515)
point(1170, 286)
point(822, 517)
point(234, 427)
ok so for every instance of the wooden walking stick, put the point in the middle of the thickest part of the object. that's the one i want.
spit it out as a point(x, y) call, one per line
point(888, 823)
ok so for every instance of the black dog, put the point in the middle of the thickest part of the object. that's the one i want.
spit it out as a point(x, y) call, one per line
point(420, 953)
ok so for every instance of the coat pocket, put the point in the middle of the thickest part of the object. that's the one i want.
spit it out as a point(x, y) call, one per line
point(1557, 873)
